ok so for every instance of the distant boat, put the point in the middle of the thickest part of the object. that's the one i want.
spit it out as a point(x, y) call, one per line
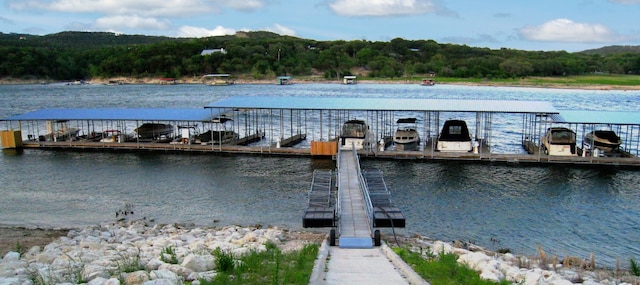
point(454, 137)
point(406, 136)
point(284, 80)
point(428, 82)
point(355, 133)
point(153, 130)
point(604, 140)
point(559, 141)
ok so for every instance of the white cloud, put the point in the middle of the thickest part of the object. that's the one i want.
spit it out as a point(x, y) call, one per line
point(248, 5)
point(6, 20)
point(382, 7)
point(131, 22)
point(196, 32)
point(564, 30)
point(147, 8)
point(282, 30)
point(625, 2)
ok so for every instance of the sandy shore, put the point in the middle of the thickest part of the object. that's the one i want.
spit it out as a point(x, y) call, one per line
point(319, 80)
point(12, 238)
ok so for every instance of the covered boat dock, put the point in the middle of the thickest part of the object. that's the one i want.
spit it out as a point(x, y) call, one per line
point(292, 125)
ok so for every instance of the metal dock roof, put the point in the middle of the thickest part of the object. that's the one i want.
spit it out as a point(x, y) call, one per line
point(384, 104)
point(129, 114)
point(597, 117)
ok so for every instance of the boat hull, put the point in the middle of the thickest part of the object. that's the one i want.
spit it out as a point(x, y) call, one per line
point(604, 140)
point(153, 131)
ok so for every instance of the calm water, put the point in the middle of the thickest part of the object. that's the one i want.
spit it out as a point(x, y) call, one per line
point(566, 210)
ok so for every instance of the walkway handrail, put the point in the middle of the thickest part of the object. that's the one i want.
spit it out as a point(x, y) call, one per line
point(365, 190)
point(339, 196)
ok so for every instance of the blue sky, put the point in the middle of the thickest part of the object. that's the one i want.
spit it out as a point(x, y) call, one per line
point(570, 25)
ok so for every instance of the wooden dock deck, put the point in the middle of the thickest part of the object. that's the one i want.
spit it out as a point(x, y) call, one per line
point(354, 226)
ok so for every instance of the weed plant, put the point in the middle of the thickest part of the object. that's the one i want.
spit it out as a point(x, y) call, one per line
point(443, 270)
point(168, 255)
point(634, 269)
point(271, 266)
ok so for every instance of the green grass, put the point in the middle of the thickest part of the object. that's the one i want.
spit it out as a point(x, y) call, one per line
point(266, 267)
point(442, 269)
point(568, 81)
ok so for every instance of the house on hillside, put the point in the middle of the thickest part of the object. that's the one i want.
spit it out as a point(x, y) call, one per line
point(212, 51)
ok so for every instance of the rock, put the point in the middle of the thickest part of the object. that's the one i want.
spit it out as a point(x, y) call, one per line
point(11, 256)
point(164, 274)
point(199, 263)
point(135, 278)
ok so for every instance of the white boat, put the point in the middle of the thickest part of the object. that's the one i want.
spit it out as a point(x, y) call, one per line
point(559, 141)
point(604, 140)
point(406, 136)
point(454, 137)
point(153, 130)
point(355, 133)
point(111, 136)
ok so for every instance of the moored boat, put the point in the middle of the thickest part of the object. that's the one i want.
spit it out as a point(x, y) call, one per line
point(454, 137)
point(153, 130)
point(406, 136)
point(559, 141)
point(604, 140)
point(355, 133)
point(218, 133)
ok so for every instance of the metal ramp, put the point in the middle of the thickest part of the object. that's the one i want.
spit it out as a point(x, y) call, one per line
point(322, 199)
point(352, 202)
point(385, 214)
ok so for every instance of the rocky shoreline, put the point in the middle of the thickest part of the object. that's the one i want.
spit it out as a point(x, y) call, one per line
point(96, 251)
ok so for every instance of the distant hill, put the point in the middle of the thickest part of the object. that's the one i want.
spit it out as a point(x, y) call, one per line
point(105, 39)
point(612, 50)
point(81, 39)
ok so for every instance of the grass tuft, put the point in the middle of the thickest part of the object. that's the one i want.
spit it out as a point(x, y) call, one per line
point(443, 270)
point(270, 266)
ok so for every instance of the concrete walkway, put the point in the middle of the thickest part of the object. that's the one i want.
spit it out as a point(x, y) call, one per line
point(355, 266)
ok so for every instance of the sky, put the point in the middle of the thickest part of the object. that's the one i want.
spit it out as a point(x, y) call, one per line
point(541, 25)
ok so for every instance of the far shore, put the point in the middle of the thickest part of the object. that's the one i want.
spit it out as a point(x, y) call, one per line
point(315, 80)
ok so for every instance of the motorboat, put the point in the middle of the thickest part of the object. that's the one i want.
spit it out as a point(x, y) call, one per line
point(406, 136)
point(428, 82)
point(218, 134)
point(59, 131)
point(355, 133)
point(111, 136)
point(454, 137)
point(559, 141)
point(604, 140)
point(153, 130)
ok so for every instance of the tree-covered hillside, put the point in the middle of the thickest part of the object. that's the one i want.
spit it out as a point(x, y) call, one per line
point(259, 55)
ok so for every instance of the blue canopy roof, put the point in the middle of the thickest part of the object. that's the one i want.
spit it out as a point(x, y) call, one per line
point(128, 114)
point(384, 104)
point(597, 117)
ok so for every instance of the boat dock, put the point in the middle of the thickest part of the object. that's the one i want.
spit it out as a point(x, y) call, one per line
point(311, 127)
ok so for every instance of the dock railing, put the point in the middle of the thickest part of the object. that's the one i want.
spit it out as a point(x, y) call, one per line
point(339, 198)
point(365, 191)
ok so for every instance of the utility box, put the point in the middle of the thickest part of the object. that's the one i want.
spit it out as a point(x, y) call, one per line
point(11, 139)
point(324, 148)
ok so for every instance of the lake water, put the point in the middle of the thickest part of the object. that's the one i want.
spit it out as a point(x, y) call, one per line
point(568, 210)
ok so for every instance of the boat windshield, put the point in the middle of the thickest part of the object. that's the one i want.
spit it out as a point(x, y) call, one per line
point(563, 136)
point(354, 129)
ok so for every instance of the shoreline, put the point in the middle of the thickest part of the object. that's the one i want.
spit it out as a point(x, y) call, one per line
point(42, 244)
point(195, 80)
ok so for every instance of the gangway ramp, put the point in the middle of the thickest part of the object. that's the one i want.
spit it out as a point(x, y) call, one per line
point(352, 202)
point(354, 227)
